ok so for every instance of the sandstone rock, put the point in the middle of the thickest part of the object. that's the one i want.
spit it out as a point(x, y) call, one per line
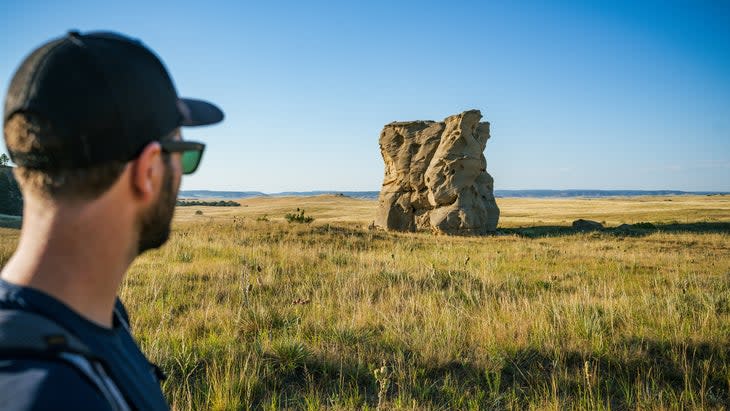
point(587, 225)
point(436, 178)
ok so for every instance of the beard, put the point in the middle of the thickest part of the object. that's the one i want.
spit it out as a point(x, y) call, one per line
point(155, 223)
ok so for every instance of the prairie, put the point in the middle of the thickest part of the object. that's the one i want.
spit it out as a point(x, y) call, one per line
point(244, 310)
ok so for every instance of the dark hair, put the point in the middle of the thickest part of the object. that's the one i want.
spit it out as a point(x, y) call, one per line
point(26, 132)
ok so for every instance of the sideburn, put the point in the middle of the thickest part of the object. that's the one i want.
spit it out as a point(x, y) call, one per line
point(155, 223)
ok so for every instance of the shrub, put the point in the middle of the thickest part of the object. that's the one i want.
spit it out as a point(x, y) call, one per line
point(298, 217)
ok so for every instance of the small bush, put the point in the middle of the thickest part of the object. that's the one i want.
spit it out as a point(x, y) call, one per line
point(198, 212)
point(286, 357)
point(185, 257)
point(298, 217)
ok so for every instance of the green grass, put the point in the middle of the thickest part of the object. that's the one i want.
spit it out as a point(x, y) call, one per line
point(246, 314)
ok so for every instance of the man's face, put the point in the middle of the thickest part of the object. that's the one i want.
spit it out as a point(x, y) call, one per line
point(155, 222)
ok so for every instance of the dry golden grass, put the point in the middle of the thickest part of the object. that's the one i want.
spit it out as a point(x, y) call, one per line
point(246, 313)
point(326, 208)
point(515, 212)
point(614, 211)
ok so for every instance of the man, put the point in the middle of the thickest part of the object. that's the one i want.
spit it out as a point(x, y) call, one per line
point(92, 122)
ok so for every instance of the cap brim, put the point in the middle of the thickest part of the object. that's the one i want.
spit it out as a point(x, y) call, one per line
point(198, 112)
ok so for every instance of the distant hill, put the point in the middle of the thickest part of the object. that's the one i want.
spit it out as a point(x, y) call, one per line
point(189, 194)
point(219, 194)
point(498, 193)
point(353, 194)
point(597, 193)
point(11, 201)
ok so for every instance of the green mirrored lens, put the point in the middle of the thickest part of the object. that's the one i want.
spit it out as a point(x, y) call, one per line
point(190, 160)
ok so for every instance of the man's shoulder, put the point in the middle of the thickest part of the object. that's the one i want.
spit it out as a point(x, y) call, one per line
point(30, 384)
point(34, 374)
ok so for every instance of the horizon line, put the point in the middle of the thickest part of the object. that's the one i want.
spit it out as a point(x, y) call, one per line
point(495, 190)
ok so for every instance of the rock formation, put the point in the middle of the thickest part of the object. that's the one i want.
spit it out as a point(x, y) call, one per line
point(436, 176)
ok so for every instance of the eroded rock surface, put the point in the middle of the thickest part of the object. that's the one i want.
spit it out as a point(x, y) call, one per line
point(436, 176)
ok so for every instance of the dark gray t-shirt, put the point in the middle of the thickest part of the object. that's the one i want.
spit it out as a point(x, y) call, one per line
point(35, 384)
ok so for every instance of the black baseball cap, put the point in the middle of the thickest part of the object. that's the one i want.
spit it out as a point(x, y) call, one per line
point(106, 96)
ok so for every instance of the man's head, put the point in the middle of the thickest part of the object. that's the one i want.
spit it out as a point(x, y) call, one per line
point(86, 109)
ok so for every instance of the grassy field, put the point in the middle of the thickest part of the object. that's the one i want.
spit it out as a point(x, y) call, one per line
point(244, 310)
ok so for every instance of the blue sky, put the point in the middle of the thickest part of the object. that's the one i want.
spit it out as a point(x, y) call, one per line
point(580, 94)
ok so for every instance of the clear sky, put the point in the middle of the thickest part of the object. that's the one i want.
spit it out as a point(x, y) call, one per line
point(580, 94)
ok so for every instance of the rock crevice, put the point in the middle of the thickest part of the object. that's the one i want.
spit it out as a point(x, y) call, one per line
point(436, 176)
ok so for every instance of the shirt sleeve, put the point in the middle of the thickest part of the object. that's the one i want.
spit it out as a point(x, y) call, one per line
point(30, 385)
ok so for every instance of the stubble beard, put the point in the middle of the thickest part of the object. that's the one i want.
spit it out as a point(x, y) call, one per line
point(155, 223)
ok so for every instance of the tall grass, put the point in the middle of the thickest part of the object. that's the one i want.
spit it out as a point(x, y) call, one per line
point(246, 314)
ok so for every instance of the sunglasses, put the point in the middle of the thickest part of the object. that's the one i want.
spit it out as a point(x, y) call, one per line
point(191, 151)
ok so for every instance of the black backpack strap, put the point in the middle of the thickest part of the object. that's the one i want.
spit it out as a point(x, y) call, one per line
point(28, 335)
point(21, 330)
point(95, 372)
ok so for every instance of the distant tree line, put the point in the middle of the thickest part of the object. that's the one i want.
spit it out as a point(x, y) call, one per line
point(221, 203)
point(11, 200)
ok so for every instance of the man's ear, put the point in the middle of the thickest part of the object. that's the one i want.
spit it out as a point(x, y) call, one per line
point(147, 172)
